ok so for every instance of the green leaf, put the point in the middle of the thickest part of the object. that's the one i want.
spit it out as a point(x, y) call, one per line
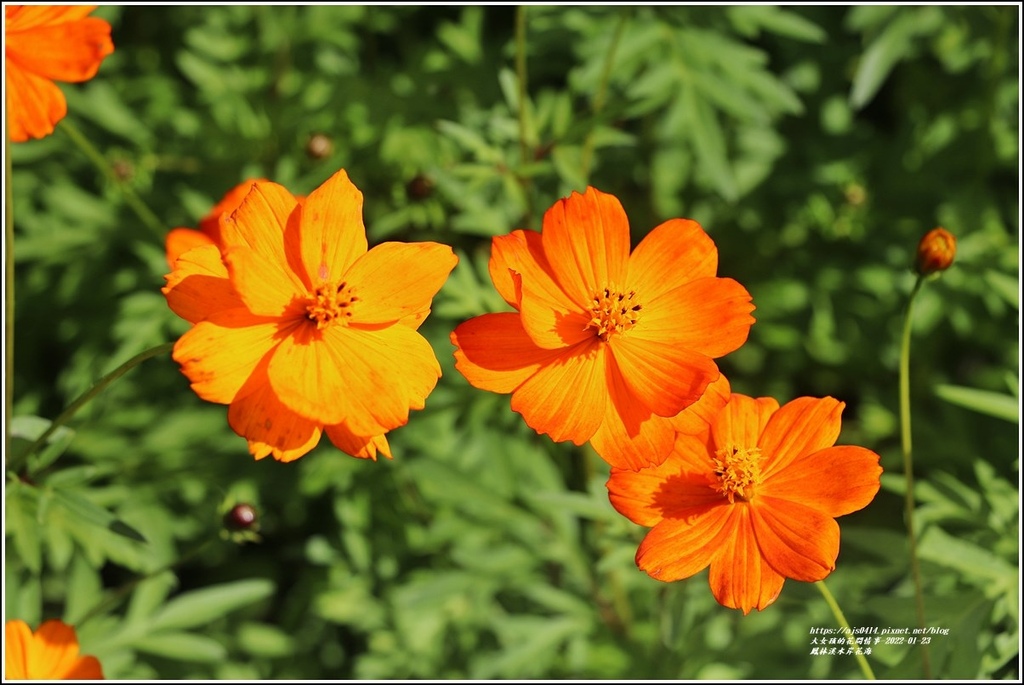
point(200, 607)
point(181, 646)
point(25, 430)
point(265, 641)
point(22, 523)
point(983, 401)
point(85, 510)
point(938, 546)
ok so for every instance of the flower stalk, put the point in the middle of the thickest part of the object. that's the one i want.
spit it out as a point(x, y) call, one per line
point(858, 654)
point(131, 197)
point(908, 468)
point(84, 399)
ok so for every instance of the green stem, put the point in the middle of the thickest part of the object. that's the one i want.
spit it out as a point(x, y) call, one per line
point(8, 289)
point(908, 468)
point(120, 593)
point(84, 399)
point(138, 206)
point(602, 93)
point(858, 654)
point(524, 148)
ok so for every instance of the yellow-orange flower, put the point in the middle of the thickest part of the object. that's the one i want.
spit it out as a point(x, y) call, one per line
point(300, 329)
point(47, 44)
point(605, 345)
point(181, 240)
point(756, 501)
point(51, 653)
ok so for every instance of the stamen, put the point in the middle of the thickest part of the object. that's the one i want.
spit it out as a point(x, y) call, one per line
point(739, 472)
point(329, 305)
point(613, 311)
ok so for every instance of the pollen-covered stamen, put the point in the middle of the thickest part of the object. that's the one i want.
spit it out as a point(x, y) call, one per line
point(330, 304)
point(613, 311)
point(739, 472)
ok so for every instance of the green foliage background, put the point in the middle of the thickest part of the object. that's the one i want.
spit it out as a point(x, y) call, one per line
point(816, 145)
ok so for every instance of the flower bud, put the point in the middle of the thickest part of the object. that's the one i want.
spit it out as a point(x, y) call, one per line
point(936, 251)
point(241, 517)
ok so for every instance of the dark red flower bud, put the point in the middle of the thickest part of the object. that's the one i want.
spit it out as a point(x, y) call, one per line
point(936, 251)
point(241, 517)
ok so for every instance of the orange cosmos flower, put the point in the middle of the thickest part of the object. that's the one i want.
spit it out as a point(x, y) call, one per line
point(181, 240)
point(47, 44)
point(605, 345)
point(756, 501)
point(51, 653)
point(300, 329)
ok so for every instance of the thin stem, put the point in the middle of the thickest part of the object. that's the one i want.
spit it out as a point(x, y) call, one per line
point(8, 289)
point(138, 206)
point(524, 148)
point(120, 593)
point(85, 397)
point(602, 92)
point(858, 654)
point(908, 468)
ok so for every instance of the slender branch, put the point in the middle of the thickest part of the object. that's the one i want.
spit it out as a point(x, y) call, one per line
point(85, 397)
point(131, 197)
point(858, 654)
point(602, 92)
point(8, 289)
point(120, 593)
point(524, 148)
point(908, 469)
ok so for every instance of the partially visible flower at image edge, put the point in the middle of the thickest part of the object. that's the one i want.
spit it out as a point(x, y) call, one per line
point(47, 43)
point(302, 330)
point(605, 345)
point(757, 501)
point(51, 653)
point(181, 240)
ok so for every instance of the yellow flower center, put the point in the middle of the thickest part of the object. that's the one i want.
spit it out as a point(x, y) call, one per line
point(739, 472)
point(613, 311)
point(330, 304)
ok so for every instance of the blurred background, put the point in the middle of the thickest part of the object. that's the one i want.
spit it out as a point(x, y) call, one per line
point(816, 145)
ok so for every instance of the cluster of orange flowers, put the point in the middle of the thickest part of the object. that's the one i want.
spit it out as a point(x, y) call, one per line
point(302, 330)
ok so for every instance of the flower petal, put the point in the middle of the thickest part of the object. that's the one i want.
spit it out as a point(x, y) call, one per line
point(521, 252)
point(53, 651)
point(708, 315)
point(665, 377)
point(672, 490)
point(741, 422)
point(677, 548)
point(199, 285)
point(630, 436)
point(697, 418)
point(494, 353)
point(331, 229)
point(25, 17)
point(800, 427)
point(357, 446)
point(522, 275)
point(34, 104)
point(181, 240)
point(566, 397)
point(586, 241)
point(86, 668)
point(66, 51)
point(367, 378)
point(672, 254)
point(210, 224)
point(740, 577)
point(220, 353)
point(835, 481)
point(255, 250)
point(17, 636)
point(270, 427)
point(394, 280)
point(798, 542)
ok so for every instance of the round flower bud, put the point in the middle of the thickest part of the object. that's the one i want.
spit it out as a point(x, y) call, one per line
point(319, 146)
point(241, 517)
point(936, 251)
